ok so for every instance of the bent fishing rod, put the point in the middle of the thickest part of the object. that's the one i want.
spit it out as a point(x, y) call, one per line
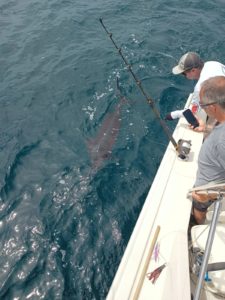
point(182, 147)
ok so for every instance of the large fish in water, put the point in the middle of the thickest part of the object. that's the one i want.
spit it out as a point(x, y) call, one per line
point(100, 147)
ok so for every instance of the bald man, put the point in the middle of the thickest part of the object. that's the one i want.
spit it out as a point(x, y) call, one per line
point(211, 160)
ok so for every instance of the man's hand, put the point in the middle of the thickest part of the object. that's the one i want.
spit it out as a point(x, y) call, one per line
point(204, 197)
point(201, 127)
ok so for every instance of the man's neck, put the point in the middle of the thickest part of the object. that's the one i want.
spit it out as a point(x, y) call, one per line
point(198, 73)
point(221, 118)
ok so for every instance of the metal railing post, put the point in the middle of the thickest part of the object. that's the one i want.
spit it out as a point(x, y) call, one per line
point(208, 247)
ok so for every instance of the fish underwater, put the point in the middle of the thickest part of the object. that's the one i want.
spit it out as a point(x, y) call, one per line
point(100, 147)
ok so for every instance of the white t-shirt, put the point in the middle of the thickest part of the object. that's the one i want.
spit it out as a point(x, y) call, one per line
point(210, 69)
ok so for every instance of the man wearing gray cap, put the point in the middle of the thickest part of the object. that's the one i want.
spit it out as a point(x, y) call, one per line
point(193, 68)
point(211, 159)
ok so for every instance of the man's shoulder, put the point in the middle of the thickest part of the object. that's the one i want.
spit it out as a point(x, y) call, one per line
point(211, 69)
point(218, 134)
point(212, 63)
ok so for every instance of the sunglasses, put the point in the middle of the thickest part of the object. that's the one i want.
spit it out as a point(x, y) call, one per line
point(207, 104)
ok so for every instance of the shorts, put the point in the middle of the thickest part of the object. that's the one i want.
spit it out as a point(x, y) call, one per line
point(202, 206)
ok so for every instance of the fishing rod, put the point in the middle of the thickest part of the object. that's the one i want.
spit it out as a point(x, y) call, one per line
point(182, 147)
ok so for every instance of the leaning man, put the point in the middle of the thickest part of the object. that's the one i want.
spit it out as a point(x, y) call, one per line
point(211, 160)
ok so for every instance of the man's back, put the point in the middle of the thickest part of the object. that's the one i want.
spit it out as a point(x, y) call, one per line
point(210, 69)
point(211, 161)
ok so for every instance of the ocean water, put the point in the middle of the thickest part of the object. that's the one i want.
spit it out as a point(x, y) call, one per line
point(71, 189)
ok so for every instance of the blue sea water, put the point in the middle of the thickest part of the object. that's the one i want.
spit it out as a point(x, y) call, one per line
point(64, 219)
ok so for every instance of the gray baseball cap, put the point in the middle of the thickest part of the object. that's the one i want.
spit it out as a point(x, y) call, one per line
point(187, 62)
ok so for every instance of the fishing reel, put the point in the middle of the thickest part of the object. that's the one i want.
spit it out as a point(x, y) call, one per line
point(183, 149)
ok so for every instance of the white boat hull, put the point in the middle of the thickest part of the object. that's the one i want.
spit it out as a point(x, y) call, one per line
point(168, 207)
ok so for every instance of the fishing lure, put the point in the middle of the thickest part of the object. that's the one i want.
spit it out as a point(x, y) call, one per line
point(154, 275)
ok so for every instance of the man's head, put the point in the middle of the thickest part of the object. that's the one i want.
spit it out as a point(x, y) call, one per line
point(190, 65)
point(212, 97)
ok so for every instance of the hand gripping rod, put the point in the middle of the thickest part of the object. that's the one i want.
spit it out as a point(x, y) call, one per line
point(138, 82)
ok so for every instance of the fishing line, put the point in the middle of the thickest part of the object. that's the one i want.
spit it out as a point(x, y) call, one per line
point(123, 98)
point(119, 93)
point(139, 84)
